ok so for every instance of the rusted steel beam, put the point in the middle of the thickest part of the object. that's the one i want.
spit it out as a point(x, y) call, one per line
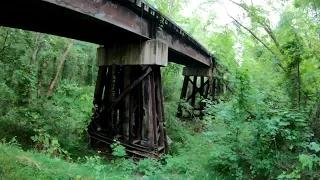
point(122, 14)
point(106, 22)
point(179, 45)
point(108, 11)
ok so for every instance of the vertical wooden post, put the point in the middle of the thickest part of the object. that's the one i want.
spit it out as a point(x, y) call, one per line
point(208, 86)
point(161, 136)
point(99, 87)
point(194, 91)
point(201, 85)
point(126, 109)
point(132, 102)
point(139, 111)
point(108, 98)
point(118, 82)
point(183, 94)
point(148, 116)
point(201, 89)
point(213, 88)
point(184, 87)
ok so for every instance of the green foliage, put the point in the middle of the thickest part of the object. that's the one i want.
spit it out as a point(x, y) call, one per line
point(187, 109)
point(46, 144)
point(170, 85)
point(148, 167)
point(267, 129)
point(117, 149)
point(17, 164)
point(255, 141)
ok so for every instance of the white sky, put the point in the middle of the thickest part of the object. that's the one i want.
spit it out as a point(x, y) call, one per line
point(221, 16)
point(235, 11)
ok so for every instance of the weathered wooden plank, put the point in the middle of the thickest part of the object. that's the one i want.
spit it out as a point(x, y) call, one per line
point(202, 84)
point(118, 81)
point(125, 115)
point(201, 91)
point(99, 87)
point(159, 104)
point(154, 107)
point(128, 89)
point(184, 87)
point(108, 98)
point(139, 110)
point(119, 126)
point(194, 91)
point(183, 94)
point(213, 89)
point(207, 89)
point(148, 115)
point(166, 146)
point(133, 105)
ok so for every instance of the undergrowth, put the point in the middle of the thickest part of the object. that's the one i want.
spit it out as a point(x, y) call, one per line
point(241, 138)
point(50, 158)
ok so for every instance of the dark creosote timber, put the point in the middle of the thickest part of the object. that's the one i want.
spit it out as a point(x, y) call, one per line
point(202, 83)
point(129, 107)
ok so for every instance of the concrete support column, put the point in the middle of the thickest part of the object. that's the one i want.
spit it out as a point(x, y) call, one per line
point(128, 98)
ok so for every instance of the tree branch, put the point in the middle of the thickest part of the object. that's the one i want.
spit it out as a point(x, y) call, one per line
point(265, 26)
point(255, 36)
point(4, 43)
point(315, 8)
point(63, 59)
point(36, 49)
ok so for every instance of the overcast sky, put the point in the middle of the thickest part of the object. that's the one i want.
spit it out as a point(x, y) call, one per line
point(221, 15)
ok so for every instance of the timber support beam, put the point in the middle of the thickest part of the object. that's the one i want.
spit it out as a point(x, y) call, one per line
point(128, 99)
point(198, 85)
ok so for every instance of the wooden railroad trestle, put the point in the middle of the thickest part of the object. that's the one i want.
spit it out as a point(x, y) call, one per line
point(202, 86)
point(128, 107)
point(201, 83)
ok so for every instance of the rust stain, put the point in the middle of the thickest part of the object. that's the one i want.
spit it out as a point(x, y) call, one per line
point(125, 18)
point(110, 12)
point(179, 45)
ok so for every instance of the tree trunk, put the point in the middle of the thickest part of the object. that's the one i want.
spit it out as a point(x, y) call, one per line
point(40, 77)
point(92, 76)
point(74, 73)
point(63, 59)
point(299, 84)
point(316, 123)
point(83, 70)
point(267, 28)
point(35, 49)
point(258, 39)
point(1, 27)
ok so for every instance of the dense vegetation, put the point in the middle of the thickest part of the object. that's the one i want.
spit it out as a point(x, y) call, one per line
point(267, 128)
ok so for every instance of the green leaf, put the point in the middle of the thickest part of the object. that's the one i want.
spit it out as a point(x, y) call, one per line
point(306, 161)
point(314, 146)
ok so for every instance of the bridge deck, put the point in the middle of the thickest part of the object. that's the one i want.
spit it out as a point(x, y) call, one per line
point(104, 22)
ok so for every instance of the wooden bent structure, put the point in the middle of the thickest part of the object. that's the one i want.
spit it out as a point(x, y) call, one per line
point(129, 107)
